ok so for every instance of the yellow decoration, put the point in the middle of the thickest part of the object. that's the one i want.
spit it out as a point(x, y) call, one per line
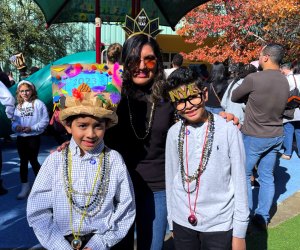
point(58, 69)
point(64, 92)
point(183, 91)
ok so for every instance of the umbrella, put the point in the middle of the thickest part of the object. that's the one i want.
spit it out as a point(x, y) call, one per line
point(64, 11)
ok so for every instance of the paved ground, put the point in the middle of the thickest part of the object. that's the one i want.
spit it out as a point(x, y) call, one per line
point(14, 230)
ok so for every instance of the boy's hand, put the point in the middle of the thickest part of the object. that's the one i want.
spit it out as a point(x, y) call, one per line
point(230, 117)
point(61, 147)
point(238, 243)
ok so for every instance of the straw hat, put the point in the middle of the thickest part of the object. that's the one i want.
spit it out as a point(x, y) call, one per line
point(90, 89)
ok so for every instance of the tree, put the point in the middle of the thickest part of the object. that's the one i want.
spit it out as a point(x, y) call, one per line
point(23, 29)
point(237, 29)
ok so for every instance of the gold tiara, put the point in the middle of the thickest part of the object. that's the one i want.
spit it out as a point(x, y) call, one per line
point(141, 25)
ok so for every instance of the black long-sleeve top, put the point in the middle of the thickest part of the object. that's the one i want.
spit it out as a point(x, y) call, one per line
point(145, 159)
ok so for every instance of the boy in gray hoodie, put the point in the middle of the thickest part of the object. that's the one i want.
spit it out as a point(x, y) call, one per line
point(205, 172)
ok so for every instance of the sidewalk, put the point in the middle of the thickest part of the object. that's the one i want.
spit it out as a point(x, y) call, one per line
point(16, 234)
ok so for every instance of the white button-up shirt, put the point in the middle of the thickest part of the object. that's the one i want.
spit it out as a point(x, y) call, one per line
point(48, 208)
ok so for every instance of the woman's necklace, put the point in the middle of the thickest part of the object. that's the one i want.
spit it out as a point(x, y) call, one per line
point(206, 151)
point(76, 242)
point(150, 122)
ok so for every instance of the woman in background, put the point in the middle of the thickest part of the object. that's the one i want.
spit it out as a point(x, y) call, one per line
point(216, 86)
point(237, 109)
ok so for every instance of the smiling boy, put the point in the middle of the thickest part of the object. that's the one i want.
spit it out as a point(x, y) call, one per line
point(83, 196)
point(205, 172)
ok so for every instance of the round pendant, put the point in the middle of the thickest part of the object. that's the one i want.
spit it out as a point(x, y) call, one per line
point(192, 220)
point(76, 243)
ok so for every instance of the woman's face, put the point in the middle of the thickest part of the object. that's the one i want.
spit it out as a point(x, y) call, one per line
point(144, 70)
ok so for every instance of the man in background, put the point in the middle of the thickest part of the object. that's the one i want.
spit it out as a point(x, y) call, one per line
point(176, 63)
point(266, 93)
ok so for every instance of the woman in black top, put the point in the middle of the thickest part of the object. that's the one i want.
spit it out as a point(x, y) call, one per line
point(140, 137)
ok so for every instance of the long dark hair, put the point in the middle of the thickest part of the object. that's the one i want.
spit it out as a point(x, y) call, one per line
point(131, 53)
point(243, 72)
point(217, 77)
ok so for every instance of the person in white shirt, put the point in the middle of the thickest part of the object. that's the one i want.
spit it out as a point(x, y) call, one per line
point(83, 196)
point(238, 109)
point(7, 100)
point(205, 172)
point(29, 122)
point(291, 126)
point(176, 63)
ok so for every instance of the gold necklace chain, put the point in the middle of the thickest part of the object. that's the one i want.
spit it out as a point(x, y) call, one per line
point(69, 194)
point(149, 123)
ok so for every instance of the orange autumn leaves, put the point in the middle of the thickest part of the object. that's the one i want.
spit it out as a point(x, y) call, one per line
point(240, 28)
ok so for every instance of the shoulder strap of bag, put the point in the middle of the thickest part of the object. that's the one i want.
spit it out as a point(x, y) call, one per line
point(215, 92)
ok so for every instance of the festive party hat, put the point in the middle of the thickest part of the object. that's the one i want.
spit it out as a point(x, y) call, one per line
point(18, 61)
point(91, 89)
point(141, 25)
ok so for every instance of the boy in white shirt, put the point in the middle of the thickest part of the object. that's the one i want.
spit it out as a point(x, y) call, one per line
point(83, 196)
point(205, 172)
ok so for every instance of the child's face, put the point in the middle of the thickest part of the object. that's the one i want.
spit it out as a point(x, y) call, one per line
point(25, 91)
point(87, 132)
point(191, 103)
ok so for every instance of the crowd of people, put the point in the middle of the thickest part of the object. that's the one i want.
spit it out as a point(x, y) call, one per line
point(169, 158)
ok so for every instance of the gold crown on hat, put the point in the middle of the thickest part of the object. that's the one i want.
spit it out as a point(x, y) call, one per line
point(141, 25)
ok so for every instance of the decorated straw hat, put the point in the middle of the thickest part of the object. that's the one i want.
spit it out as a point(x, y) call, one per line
point(90, 89)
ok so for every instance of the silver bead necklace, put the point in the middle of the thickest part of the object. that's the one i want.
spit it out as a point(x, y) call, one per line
point(207, 148)
point(97, 200)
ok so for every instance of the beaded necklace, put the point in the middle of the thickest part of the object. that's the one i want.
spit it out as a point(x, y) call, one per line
point(150, 122)
point(206, 151)
point(207, 147)
point(76, 242)
point(97, 199)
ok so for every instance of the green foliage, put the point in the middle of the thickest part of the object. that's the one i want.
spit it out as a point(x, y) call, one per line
point(284, 236)
point(23, 29)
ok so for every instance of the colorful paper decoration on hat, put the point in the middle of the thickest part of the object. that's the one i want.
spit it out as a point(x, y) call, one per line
point(85, 82)
point(141, 25)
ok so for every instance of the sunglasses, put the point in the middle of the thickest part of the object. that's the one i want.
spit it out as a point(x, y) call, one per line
point(149, 62)
point(194, 100)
